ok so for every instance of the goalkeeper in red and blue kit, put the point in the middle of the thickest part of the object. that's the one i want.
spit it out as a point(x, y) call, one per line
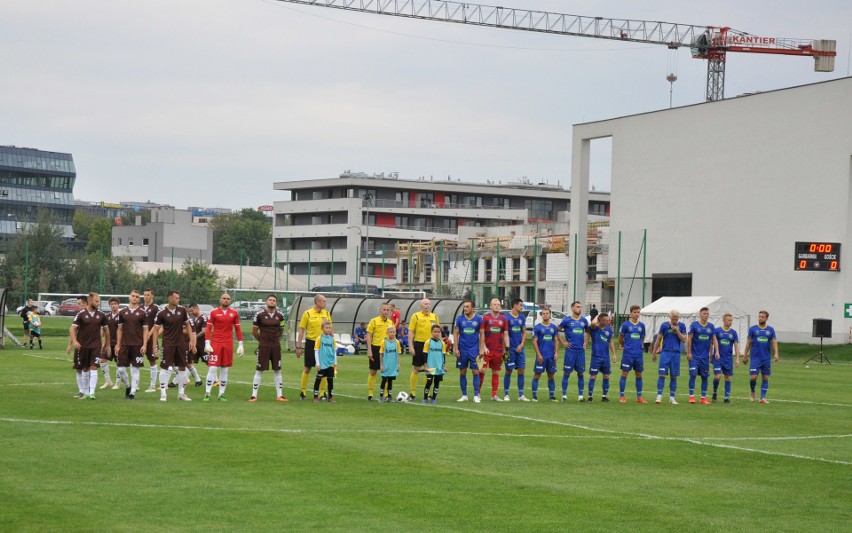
point(495, 339)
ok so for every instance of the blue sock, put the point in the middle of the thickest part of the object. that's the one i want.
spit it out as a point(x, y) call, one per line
point(638, 387)
point(507, 382)
point(463, 383)
point(753, 383)
point(551, 387)
point(764, 386)
point(534, 387)
point(715, 385)
point(704, 382)
point(622, 384)
point(521, 378)
point(661, 382)
point(591, 386)
point(477, 380)
point(727, 389)
point(605, 386)
point(672, 387)
point(564, 384)
point(581, 383)
point(691, 385)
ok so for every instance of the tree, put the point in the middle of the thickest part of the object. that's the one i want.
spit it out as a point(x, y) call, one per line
point(100, 237)
point(81, 224)
point(197, 282)
point(128, 218)
point(245, 235)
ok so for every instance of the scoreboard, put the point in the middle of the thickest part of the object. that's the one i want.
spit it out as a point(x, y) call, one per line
point(818, 256)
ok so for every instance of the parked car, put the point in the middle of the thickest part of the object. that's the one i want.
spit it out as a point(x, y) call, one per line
point(68, 307)
point(534, 317)
point(45, 307)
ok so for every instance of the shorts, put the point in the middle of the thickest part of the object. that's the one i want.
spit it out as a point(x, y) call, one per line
point(326, 372)
point(635, 363)
point(760, 366)
point(724, 365)
point(670, 363)
point(419, 357)
point(173, 356)
point(699, 367)
point(467, 361)
point(308, 354)
point(76, 364)
point(495, 361)
point(516, 360)
point(149, 350)
point(574, 361)
point(86, 358)
point(193, 358)
point(548, 364)
point(600, 364)
point(376, 363)
point(131, 356)
point(223, 355)
point(269, 354)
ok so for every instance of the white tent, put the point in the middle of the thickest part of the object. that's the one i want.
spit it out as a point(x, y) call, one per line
point(655, 313)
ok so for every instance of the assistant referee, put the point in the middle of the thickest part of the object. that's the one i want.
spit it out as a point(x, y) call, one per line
point(310, 328)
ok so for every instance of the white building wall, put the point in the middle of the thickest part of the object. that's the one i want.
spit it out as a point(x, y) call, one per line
point(726, 188)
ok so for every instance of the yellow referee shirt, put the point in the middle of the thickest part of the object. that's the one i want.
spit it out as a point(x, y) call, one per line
point(378, 328)
point(312, 322)
point(421, 324)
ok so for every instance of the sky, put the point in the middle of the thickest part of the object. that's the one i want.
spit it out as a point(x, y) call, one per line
point(208, 103)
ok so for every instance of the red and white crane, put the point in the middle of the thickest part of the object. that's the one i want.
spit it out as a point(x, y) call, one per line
point(706, 42)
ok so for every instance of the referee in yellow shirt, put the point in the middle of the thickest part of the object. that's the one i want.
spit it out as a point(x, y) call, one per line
point(377, 332)
point(419, 331)
point(310, 328)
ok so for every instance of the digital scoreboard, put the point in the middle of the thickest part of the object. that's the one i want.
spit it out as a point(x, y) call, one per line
point(818, 256)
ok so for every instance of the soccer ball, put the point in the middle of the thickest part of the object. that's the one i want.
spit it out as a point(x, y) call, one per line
point(350, 350)
point(402, 396)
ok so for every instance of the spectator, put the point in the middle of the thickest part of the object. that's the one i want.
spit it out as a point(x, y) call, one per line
point(360, 337)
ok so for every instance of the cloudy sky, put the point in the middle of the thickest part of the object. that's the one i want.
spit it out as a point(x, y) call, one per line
point(208, 102)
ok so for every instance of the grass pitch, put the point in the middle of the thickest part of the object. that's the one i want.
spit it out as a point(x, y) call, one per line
point(111, 464)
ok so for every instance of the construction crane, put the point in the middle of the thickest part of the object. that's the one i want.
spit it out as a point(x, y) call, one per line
point(706, 42)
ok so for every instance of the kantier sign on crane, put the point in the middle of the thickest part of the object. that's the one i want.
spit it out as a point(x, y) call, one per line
point(706, 42)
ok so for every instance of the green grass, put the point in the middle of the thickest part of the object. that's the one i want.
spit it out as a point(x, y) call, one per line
point(111, 464)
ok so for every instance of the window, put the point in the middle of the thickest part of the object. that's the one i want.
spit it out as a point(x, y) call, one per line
point(402, 198)
point(145, 241)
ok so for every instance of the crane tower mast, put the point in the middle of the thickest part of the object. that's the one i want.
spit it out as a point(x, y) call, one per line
point(706, 42)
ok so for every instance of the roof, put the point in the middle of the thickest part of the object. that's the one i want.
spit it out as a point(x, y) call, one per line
point(690, 305)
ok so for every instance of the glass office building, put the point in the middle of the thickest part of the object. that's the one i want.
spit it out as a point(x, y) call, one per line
point(33, 180)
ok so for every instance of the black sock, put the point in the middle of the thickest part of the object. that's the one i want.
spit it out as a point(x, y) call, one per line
point(438, 380)
point(382, 387)
point(317, 382)
point(429, 379)
point(390, 386)
point(330, 386)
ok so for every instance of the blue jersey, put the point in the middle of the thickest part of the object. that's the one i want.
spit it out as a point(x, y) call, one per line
point(702, 339)
point(761, 339)
point(435, 355)
point(516, 330)
point(601, 337)
point(326, 351)
point(726, 340)
point(634, 336)
point(546, 339)
point(390, 358)
point(468, 341)
point(671, 342)
point(575, 331)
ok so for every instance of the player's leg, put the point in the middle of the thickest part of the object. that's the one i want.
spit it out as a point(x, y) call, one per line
point(435, 386)
point(212, 370)
point(717, 377)
point(507, 379)
point(567, 367)
point(430, 379)
point(94, 370)
point(693, 373)
point(417, 362)
point(166, 362)
point(704, 371)
point(477, 380)
point(593, 377)
point(551, 382)
point(462, 364)
point(765, 372)
point(580, 368)
point(753, 371)
point(374, 364)
point(521, 383)
point(260, 367)
point(317, 380)
point(728, 370)
point(622, 383)
point(389, 392)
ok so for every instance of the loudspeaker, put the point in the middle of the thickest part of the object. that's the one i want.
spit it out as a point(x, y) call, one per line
point(822, 328)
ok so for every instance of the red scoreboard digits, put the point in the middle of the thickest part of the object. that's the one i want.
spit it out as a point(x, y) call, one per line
point(823, 256)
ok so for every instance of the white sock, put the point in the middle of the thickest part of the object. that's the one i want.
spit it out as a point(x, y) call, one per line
point(80, 383)
point(195, 375)
point(153, 377)
point(258, 375)
point(181, 377)
point(223, 380)
point(211, 378)
point(93, 381)
point(85, 379)
point(134, 379)
point(279, 384)
point(105, 370)
point(164, 381)
point(121, 375)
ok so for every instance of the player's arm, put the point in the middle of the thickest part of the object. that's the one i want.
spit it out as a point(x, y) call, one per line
point(255, 330)
point(716, 346)
point(506, 337)
point(72, 336)
point(523, 339)
point(586, 337)
point(412, 325)
point(612, 349)
point(538, 356)
point(118, 334)
point(456, 340)
point(680, 334)
point(191, 335)
point(156, 335)
point(105, 330)
point(369, 339)
point(482, 350)
point(620, 340)
point(689, 346)
point(300, 334)
point(747, 350)
point(775, 348)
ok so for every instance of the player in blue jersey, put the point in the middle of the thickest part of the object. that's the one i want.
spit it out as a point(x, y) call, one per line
point(468, 347)
point(631, 338)
point(603, 348)
point(544, 342)
point(760, 337)
point(669, 343)
point(701, 345)
point(516, 357)
point(729, 346)
point(576, 330)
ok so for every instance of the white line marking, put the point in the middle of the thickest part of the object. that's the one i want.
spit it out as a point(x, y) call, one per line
point(767, 452)
point(799, 437)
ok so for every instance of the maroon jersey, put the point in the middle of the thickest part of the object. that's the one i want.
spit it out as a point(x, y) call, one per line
point(173, 324)
point(133, 322)
point(89, 325)
point(150, 314)
point(269, 326)
point(493, 328)
point(112, 326)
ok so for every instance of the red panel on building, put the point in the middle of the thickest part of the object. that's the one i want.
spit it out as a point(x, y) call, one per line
point(386, 221)
point(440, 199)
